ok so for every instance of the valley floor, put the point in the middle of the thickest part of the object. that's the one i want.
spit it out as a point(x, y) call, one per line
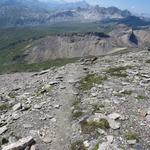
point(94, 104)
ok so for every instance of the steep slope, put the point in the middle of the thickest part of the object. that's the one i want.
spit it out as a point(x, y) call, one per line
point(93, 104)
point(74, 45)
point(68, 46)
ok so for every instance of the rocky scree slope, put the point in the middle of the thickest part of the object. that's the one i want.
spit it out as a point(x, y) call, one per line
point(72, 45)
point(94, 104)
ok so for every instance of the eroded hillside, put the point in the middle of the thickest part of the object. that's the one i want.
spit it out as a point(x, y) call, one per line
point(76, 45)
point(93, 104)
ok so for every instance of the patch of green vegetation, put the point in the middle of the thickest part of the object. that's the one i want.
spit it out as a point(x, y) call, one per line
point(76, 104)
point(77, 114)
point(77, 111)
point(96, 147)
point(98, 107)
point(126, 92)
point(88, 82)
point(118, 71)
point(4, 107)
point(141, 97)
point(12, 95)
point(78, 145)
point(131, 136)
point(88, 127)
point(22, 67)
point(148, 61)
point(42, 90)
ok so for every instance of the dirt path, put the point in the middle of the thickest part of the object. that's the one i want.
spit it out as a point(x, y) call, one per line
point(65, 99)
point(49, 119)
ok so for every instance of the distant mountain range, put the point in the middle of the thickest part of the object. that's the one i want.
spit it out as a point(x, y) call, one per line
point(35, 12)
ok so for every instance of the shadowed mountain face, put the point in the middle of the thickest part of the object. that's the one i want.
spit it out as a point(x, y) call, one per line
point(133, 39)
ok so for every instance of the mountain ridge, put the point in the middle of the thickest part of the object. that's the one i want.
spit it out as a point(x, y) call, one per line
point(34, 13)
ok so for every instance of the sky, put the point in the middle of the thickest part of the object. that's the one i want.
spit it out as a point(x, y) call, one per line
point(136, 6)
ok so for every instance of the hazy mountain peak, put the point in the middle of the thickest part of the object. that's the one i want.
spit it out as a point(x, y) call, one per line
point(37, 12)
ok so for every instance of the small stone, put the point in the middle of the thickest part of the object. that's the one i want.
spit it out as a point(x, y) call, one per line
point(143, 113)
point(54, 82)
point(15, 116)
point(43, 72)
point(36, 106)
point(42, 118)
point(114, 124)
point(26, 107)
point(62, 87)
point(27, 126)
point(108, 146)
point(131, 142)
point(123, 118)
point(71, 81)
point(53, 120)
point(34, 133)
point(48, 116)
point(102, 132)
point(114, 116)
point(94, 94)
point(75, 93)
point(57, 106)
point(86, 144)
point(33, 147)
point(110, 138)
point(3, 129)
point(17, 107)
point(148, 118)
point(46, 140)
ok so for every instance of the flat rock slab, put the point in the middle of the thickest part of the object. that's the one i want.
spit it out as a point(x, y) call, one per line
point(108, 146)
point(3, 129)
point(21, 144)
point(17, 106)
point(114, 124)
point(114, 116)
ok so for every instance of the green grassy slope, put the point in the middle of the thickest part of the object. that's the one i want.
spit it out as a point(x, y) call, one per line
point(13, 41)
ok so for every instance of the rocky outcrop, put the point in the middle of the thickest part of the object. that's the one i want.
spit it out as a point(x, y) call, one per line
point(68, 46)
point(74, 45)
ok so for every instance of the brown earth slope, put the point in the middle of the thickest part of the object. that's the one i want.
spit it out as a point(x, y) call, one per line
point(73, 45)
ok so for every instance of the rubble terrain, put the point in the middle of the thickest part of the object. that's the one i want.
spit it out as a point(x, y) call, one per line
point(95, 104)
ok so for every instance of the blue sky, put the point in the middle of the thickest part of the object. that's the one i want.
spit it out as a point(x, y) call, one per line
point(137, 6)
